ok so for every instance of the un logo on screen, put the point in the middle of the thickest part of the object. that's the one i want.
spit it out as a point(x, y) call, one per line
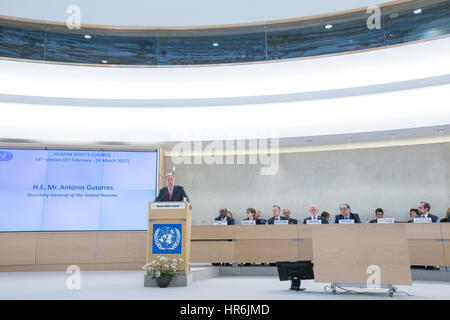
point(5, 156)
point(167, 238)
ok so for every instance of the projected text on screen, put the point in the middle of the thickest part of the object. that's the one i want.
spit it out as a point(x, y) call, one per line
point(68, 190)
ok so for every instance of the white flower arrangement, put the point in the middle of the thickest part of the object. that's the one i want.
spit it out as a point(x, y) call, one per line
point(163, 267)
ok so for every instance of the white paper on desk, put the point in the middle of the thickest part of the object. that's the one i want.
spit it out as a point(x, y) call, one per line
point(281, 222)
point(313, 222)
point(346, 221)
point(220, 223)
point(386, 220)
point(422, 220)
point(248, 222)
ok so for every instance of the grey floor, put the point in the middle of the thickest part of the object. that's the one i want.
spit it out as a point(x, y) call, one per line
point(129, 285)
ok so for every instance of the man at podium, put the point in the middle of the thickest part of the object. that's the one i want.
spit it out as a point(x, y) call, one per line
point(171, 192)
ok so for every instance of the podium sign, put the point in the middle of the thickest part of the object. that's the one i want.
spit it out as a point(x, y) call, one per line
point(169, 232)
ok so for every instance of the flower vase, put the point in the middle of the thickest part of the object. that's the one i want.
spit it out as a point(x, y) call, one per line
point(163, 282)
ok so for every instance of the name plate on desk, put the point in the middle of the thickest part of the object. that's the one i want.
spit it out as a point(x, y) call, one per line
point(386, 220)
point(248, 222)
point(281, 222)
point(346, 221)
point(313, 222)
point(220, 223)
point(422, 220)
point(168, 205)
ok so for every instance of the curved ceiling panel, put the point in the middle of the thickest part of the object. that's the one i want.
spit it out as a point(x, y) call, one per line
point(174, 12)
point(383, 111)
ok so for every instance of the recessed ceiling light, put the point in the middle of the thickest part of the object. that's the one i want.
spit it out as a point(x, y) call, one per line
point(215, 44)
point(104, 61)
point(417, 11)
point(441, 132)
point(393, 15)
point(87, 36)
point(328, 26)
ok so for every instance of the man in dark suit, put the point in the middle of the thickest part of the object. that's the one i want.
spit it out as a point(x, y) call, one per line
point(287, 214)
point(171, 192)
point(379, 213)
point(346, 214)
point(223, 217)
point(258, 217)
point(314, 212)
point(276, 210)
point(424, 211)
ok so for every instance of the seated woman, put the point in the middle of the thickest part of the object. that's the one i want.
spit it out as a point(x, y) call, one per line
point(413, 213)
point(447, 214)
point(325, 215)
point(251, 212)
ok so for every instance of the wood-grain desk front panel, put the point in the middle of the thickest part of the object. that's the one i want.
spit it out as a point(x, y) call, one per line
point(423, 231)
point(265, 250)
point(425, 244)
point(212, 251)
point(305, 248)
point(343, 253)
point(445, 231)
point(212, 232)
point(266, 232)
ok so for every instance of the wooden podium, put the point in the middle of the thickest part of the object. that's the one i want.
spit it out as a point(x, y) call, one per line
point(351, 254)
point(169, 233)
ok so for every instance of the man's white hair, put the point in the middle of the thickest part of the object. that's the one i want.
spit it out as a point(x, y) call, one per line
point(170, 174)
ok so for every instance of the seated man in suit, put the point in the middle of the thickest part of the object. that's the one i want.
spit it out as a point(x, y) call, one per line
point(223, 217)
point(379, 213)
point(258, 216)
point(314, 212)
point(346, 214)
point(171, 192)
point(276, 210)
point(424, 210)
point(287, 214)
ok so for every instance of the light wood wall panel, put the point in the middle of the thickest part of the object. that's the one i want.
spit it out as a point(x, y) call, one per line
point(66, 247)
point(17, 248)
point(126, 246)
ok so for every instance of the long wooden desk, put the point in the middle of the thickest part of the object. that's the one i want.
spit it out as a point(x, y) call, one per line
point(428, 243)
point(125, 250)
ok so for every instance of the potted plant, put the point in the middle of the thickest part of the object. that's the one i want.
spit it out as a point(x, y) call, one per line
point(163, 269)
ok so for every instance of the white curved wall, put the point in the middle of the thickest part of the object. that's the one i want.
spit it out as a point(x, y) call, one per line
point(270, 116)
point(394, 64)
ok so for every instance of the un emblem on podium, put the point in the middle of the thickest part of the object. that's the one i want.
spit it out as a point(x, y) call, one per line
point(166, 238)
